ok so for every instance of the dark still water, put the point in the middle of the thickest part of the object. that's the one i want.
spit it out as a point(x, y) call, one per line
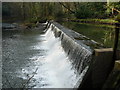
point(103, 34)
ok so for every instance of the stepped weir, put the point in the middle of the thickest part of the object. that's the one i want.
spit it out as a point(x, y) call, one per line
point(92, 65)
point(57, 58)
point(78, 53)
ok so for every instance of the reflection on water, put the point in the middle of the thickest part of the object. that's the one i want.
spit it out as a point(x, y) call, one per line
point(103, 34)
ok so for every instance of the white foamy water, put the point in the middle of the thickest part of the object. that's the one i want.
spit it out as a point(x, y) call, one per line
point(53, 69)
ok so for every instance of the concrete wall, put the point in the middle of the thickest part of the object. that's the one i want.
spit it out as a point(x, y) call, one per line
point(101, 66)
point(113, 80)
point(99, 69)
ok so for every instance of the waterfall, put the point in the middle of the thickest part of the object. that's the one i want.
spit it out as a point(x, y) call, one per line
point(78, 54)
point(57, 64)
point(65, 60)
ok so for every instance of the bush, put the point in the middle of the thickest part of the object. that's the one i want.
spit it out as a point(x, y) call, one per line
point(59, 16)
point(118, 17)
point(84, 13)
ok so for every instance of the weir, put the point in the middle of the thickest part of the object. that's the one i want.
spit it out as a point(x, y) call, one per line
point(92, 65)
point(79, 54)
point(58, 58)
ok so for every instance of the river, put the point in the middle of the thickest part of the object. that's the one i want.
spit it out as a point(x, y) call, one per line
point(33, 59)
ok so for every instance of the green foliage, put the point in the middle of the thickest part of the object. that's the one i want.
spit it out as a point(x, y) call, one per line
point(118, 17)
point(91, 10)
point(115, 5)
point(83, 12)
point(42, 11)
point(59, 16)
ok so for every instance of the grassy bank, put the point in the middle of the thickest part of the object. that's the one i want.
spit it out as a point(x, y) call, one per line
point(96, 21)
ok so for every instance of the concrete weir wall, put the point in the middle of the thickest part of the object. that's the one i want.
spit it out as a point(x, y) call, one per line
point(78, 52)
point(76, 46)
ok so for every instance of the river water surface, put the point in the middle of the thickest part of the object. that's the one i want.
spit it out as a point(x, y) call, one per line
point(32, 59)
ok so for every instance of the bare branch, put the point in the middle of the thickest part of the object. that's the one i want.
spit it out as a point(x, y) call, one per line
point(67, 8)
point(30, 78)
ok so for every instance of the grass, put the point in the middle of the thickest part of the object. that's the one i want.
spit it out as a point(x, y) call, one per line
point(101, 21)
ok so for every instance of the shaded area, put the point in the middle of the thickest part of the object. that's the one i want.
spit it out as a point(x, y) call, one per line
point(102, 34)
point(42, 11)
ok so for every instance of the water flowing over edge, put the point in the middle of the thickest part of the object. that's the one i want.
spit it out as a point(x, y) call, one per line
point(63, 64)
point(78, 53)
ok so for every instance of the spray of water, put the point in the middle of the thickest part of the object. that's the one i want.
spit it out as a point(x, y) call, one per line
point(55, 69)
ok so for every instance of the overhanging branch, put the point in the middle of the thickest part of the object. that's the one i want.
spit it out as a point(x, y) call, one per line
point(66, 7)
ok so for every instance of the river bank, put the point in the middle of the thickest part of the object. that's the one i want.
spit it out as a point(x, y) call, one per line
point(23, 26)
point(95, 21)
point(101, 33)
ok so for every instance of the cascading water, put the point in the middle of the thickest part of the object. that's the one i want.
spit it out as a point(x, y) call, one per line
point(78, 53)
point(65, 62)
point(62, 63)
point(63, 55)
